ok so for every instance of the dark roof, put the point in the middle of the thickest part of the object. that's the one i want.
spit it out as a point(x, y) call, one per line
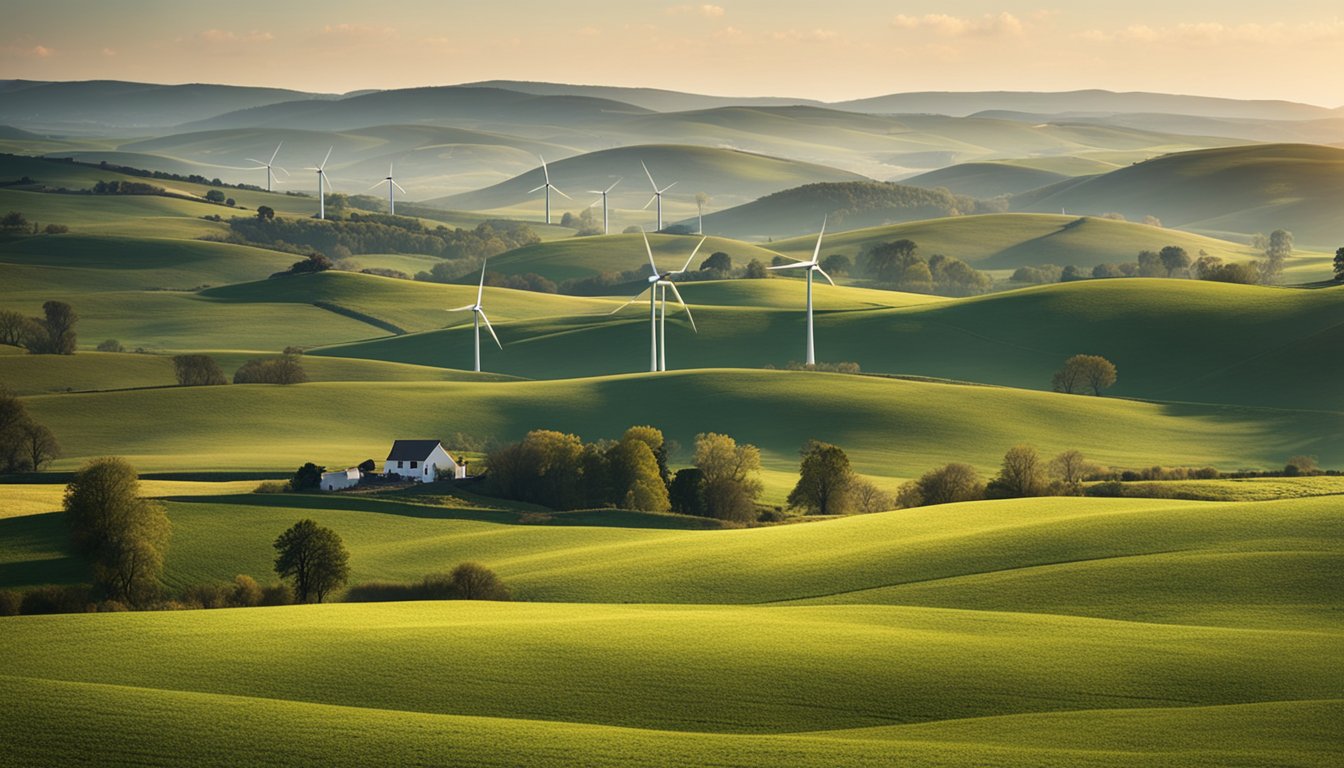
point(412, 450)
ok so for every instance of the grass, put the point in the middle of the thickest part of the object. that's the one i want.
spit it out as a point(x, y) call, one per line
point(332, 423)
point(589, 256)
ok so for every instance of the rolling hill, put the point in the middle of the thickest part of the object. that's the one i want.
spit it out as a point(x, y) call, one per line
point(730, 175)
point(970, 102)
point(1259, 188)
point(985, 180)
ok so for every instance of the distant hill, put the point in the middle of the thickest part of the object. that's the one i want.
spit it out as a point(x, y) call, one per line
point(971, 102)
point(656, 99)
point(107, 105)
point(849, 205)
point(1322, 130)
point(1258, 188)
point(582, 257)
point(728, 175)
point(985, 179)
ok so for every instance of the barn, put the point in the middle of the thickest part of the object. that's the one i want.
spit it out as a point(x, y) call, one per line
point(341, 479)
point(423, 461)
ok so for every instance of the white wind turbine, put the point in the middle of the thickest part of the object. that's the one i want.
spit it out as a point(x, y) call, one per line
point(478, 315)
point(268, 165)
point(603, 192)
point(657, 195)
point(811, 266)
point(322, 185)
point(548, 186)
point(390, 182)
point(659, 282)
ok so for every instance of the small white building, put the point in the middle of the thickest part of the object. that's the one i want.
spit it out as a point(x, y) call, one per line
point(341, 479)
point(423, 461)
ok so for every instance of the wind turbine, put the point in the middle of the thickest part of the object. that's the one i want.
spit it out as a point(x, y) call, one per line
point(603, 201)
point(268, 165)
point(548, 186)
point(811, 266)
point(657, 195)
point(322, 185)
point(390, 182)
point(478, 314)
point(659, 282)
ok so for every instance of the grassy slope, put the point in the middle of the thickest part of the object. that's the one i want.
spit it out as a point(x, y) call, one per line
point(587, 256)
point(985, 180)
point(1237, 344)
point(1236, 189)
point(891, 428)
point(1007, 241)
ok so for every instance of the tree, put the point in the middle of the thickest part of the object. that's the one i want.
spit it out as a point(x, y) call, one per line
point(1301, 465)
point(1106, 270)
point(718, 261)
point(110, 345)
point(13, 419)
point(824, 480)
point(39, 445)
point(13, 221)
point(473, 581)
point(123, 536)
point(1174, 259)
point(314, 558)
point(729, 485)
point(12, 326)
point(1022, 474)
point(315, 262)
point(1090, 371)
point(1205, 266)
point(284, 369)
point(867, 497)
point(653, 437)
point(1277, 250)
point(198, 371)
point(635, 479)
point(684, 495)
point(950, 484)
point(543, 468)
point(307, 478)
point(1339, 264)
point(1150, 264)
point(837, 264)
point(756, 270)
point(888, 261)
point(58, 326)
point(1071, 273)
point(215, 196)
point(1071, 468)
point(265, 213)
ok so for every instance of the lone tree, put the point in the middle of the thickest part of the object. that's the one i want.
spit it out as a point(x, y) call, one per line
point(1071, 468)
point(265, 213)
point(717, 261)
point(57, 336)
point(947, 485)
point(307, 478)
point(824, 480)
point(473, 581)
point(1175, 259)
point(314, 557)
point(1022, 474)
point(1082, 372)
point(728, 482)
point(39, 444)
point(122, 535)
point(1339, 264)
point(198, 371)
point(1277, 250)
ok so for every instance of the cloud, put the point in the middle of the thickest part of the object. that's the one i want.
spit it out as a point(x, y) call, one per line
point(706, 10)
point(1217, 33)
point(28, 51)
point(224, 36)
point(109, 52)
point(989, 25)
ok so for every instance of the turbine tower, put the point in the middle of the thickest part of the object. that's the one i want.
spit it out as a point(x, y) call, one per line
point(659, 282)
point(478, 315)
point(548, 186)
point(390, 182)
point(268, 165)
point(657, 195)
point(603, 192)
point(322, 185)
point(811, 266)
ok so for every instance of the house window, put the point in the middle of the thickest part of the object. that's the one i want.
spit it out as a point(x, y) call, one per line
point(414, 464)
point(400, 464)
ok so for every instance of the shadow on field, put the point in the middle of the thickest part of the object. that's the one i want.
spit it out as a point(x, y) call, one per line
point(608, 518)
point(34, 551)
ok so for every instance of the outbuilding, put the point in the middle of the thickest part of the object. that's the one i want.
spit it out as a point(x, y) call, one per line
point(423, 461)
point(341, 479)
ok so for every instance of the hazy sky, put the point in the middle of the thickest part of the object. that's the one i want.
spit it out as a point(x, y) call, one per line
point(825, 49)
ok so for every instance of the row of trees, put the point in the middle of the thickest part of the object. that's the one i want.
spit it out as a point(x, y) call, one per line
point(1083, 372)
point(380, 233)
point(15, 222)
point(51, 334)
point(202, 370)
point(899, 265)
point(25, 444)
point(118, 187)
point(1174, 261)
point(1023, 473)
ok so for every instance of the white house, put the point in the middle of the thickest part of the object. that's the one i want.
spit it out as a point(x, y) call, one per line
point(423, 461)
point(341, 479)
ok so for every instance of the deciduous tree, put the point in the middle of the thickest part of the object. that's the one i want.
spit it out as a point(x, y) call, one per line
point(473, 581)
point(123, 536)
point(198, 370)
point(824, 480)
point(950, 484)
point(1022, 474)
point(313, 557)
point(1084, 371)
point(729, 482)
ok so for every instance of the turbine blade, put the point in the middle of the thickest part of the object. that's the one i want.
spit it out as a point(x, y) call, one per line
point(823, 274)
point(632, 300)
point(398, 186)
point(669, 186)
point(378, 184)
point(798, 265)
point(480, 290)
point(649, 250)
point(254, 160)
point(536, 189)
point(614, 183)
point(562, 194)
point(646, 205)
point(677, 293)
point(544, 170)
point(687, 265)
point(816, 252)
point(278, 168)
point(459, 309)
point(490, 328)
point(328, 157)
point(650, 175)
point(276, 152)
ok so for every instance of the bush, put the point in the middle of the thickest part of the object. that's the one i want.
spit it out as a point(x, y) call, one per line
point(198, 371)
point(47, 600)
point(948, 484)
point(273, 486)
point(10, 602)
point(284, 369)
point(56, 229)
point(473, 581)
point(111, 345)
point(277, 594)
point(207, 596)
point(246, 592)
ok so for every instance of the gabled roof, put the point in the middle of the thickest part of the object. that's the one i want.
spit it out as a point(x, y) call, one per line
point(412, 450)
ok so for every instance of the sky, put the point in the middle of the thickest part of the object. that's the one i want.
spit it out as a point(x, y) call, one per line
point(824, 49)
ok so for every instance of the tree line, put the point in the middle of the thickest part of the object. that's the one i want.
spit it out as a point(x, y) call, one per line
point(51, 334)
point(899, 265)
point(15, 221)
point(1173, 261)
point(379, 233)
point(25, 444)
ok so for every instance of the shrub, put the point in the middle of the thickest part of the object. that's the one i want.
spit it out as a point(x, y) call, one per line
point(285, 369)
point(473, 581)
point(277, 594)
point(273, 486)
point(111, 345)
point(198, 371)
point(10, 602)
point(1022, 474)
point(246, 592)
point(866, 497)
point(948, 484)
point(47, 600)
point(207, 595)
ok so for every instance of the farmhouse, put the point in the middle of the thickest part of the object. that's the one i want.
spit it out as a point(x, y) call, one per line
point(341, 479)
point(423, 461)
